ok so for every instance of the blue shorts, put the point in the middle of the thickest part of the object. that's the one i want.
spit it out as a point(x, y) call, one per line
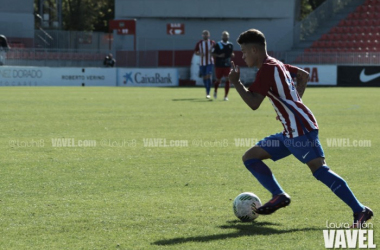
point(205, 70)
point(305, 148)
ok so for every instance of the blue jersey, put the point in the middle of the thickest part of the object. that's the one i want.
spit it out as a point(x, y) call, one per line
point(220, 48)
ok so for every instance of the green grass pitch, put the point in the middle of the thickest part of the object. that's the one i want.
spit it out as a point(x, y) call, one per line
point(124, 193)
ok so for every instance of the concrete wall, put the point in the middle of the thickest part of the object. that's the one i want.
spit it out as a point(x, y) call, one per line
point(281, 9)
point(17, 25)
point(17, 6)
point(16, 19)
point(273, 17)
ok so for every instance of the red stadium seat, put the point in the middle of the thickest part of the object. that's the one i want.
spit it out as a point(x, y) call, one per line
point(321, 44)
point(335, 44)
point(359, 9)
point(355, 37)
point(344, 45)
point(346, 37)
point(351, 45)
point(347, 22)
point(346, 30)
point(352, 30)
point(376, 21)
point(337, 37)
point(369, 22)
point(339, 30)
point(355, 23)
point(372, 28)
point(362, 22)
point(342, 23)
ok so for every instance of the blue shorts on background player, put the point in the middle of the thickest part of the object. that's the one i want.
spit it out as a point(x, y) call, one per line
point(206, 72)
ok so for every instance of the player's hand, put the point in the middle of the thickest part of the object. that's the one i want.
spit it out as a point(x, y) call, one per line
point(234, 75)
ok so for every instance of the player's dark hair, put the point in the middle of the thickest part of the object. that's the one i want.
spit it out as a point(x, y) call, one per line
point(252, 36)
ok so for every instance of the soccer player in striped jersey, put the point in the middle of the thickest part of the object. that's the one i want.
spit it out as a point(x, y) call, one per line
point(203, 49)
point(300, 136)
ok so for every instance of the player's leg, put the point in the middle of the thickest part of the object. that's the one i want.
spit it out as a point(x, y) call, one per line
point(218, 76)
point(216, 86)
point(312, 154)
point(253, 161)
point(209, 69)
point(207, 82)
point(226, 72)
point(203, 74)
point(269, 148)
point(341, 189)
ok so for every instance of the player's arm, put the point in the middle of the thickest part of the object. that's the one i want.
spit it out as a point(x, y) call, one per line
point(215, 52)
point(302, 77)
point(217, 55)
point(197, 51)
point(253, 100)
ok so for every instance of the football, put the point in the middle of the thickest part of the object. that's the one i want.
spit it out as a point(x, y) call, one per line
point(245, 205)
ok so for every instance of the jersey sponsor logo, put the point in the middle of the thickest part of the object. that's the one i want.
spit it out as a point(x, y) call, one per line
point(367, 78)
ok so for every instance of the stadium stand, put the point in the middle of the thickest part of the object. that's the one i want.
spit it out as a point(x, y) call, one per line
point(352, 39)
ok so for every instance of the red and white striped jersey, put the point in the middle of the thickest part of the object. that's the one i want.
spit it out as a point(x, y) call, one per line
point(275, 80)
point(205, 47)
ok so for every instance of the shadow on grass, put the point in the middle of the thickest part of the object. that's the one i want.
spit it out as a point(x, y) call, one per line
point(192, 100)
point(243, 229)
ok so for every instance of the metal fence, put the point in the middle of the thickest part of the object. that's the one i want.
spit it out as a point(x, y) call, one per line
point(155, 58)
point(55, 57)
point(62, 39)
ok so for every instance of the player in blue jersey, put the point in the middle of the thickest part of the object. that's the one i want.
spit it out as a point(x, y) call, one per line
point(223, 51)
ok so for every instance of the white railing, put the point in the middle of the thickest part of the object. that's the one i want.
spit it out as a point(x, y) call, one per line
point(338, 58)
